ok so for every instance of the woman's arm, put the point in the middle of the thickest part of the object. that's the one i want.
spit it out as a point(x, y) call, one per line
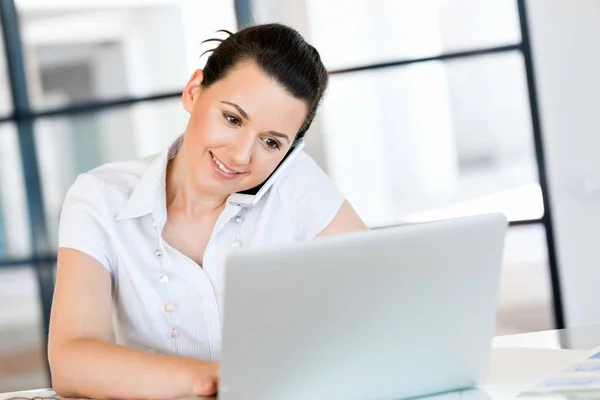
point(85, 361)
point(345, 221)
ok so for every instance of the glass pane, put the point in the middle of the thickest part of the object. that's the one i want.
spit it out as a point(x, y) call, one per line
point(69, 145)
point(525, 290)
point(88, 50)
point(14, 217)
point(369, 31)
point(5, 101)
point(22, 350)
point(433, 140)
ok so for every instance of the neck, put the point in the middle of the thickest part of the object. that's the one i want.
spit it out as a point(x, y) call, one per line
point(183, 192)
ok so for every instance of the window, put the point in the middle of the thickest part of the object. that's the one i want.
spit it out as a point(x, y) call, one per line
point(374, 31)
point(14, 219)
point(433, 140)
point(5, 101)
point(22, 349)
point(525, 292)
point(82, 51)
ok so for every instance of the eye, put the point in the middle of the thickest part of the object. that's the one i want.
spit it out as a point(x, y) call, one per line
point(272, 144)
point(232, 119)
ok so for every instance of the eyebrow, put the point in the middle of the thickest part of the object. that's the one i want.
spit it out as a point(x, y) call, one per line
point(240, 109)
point(247, 117)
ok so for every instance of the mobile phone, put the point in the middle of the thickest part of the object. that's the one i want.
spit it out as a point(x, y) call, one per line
point(250, 197)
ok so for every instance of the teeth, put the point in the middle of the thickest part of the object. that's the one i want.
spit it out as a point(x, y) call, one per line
point(222, 167)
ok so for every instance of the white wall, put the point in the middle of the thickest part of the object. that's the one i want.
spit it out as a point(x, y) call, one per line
point(565, 42)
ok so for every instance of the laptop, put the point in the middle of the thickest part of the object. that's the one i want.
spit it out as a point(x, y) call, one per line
point(387, 314)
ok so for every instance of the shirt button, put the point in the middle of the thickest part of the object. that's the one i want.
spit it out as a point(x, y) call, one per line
point(239, 220)
point(236, 244)
point(153, 224)
point(169, 307)
point(158, 253)
point(210, 305)
point(164, 279)
point(174, 333)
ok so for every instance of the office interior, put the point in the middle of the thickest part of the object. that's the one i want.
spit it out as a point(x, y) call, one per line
point(436, 109)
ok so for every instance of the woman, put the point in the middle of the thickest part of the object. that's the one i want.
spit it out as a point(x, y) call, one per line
point(151, 236)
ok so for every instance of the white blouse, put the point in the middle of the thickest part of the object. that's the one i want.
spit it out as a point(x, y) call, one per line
point(163, 301)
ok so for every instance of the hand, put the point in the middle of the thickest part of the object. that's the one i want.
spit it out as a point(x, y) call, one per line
point(206, 379)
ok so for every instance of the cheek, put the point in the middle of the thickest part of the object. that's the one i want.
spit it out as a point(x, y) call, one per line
point(206, 133)
point(265, 166)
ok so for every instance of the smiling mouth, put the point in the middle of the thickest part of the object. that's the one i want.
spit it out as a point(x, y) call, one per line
point(222, 166)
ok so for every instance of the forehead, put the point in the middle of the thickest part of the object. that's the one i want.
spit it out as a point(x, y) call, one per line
point(248, 86)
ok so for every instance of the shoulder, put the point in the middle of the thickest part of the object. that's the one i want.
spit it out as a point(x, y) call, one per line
point(308, 195)
point(120, 177)
point(302, 175)
point(109, 186)
point(88, 214)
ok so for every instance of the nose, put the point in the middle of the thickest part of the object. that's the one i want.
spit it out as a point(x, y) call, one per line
point(241, 152)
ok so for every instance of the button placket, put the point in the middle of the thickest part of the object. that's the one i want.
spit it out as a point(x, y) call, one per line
point(208, 295)
point(237, 242)
point(165, 288)
point(212, 317)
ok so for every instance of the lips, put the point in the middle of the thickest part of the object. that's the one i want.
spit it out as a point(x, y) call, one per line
point(224, 170)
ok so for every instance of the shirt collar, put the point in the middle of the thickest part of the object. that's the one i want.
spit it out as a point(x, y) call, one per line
point(149, 193)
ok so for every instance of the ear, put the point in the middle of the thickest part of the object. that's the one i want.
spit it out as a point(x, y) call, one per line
point(192, 90)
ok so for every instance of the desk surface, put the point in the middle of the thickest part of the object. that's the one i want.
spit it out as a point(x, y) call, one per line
point(517, 361)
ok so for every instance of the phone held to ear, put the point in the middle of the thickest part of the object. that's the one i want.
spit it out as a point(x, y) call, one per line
point(250, 197)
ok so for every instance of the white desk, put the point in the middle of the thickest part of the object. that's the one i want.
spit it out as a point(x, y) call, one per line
point(517, 361)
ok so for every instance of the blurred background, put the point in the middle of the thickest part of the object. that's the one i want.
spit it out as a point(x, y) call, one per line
point(436, 109)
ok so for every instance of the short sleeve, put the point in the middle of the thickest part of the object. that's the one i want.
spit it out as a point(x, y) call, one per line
point(83, 221)
point(309, 195)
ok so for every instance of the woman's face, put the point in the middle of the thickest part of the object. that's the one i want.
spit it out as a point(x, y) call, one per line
point(240, 128)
